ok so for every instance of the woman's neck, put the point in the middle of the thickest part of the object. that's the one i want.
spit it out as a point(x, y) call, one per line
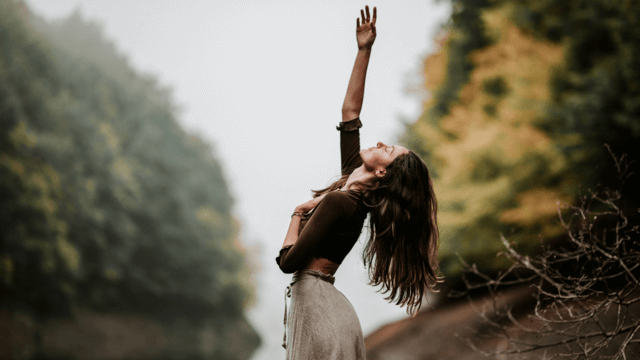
point(358, 175)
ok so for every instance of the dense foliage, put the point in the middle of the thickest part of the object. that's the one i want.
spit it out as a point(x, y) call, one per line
point(105, 201)
point(525, 126)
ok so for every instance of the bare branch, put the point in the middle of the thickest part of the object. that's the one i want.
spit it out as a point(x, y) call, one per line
point(586, 288)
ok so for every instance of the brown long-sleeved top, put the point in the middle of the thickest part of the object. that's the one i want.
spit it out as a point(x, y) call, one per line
point(332, 228)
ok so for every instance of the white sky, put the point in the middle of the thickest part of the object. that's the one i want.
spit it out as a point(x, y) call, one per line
point(264, 81)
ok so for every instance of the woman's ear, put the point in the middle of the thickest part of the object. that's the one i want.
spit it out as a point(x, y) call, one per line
point(381, 172)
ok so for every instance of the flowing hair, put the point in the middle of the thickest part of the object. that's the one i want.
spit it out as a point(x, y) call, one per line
point(402, 251)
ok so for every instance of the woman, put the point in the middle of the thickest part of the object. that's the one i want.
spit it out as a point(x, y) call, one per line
point(393, 185)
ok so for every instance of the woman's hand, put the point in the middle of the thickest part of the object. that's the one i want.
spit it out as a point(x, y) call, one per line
point(307, 206)
point(366, 33)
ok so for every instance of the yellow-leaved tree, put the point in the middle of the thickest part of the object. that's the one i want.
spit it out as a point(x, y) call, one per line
point(496, 170)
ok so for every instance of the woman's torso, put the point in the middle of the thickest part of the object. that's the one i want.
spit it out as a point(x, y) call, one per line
point(341, 240)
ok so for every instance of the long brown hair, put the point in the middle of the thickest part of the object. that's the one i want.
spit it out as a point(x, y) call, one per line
point(402, 251)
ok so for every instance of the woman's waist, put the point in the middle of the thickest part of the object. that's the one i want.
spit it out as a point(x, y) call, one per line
point(323, 265)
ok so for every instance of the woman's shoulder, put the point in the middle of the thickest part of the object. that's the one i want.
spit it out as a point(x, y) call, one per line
point(344, 194)
point(347, 200)
point(336, 195)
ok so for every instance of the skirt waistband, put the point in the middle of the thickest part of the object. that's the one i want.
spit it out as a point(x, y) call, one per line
point(302, 274)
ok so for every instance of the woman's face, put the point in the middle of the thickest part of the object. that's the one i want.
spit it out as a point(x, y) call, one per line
point(377, 158)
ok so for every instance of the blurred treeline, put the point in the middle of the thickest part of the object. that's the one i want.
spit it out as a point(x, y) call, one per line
point(106, 203)
point(524, 95)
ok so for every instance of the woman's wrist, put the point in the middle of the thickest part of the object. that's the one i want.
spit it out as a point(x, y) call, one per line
point(297, 212)
point(364, 48)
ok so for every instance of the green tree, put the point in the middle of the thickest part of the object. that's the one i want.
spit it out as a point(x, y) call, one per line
point(106, 202)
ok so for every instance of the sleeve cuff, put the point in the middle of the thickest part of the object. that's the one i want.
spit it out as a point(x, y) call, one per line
point(350, 125)
point(281, 251)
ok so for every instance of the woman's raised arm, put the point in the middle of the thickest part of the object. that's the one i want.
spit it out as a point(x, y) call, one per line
point(366, 35)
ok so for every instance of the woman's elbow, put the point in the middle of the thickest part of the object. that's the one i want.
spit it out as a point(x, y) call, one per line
point(286, 268)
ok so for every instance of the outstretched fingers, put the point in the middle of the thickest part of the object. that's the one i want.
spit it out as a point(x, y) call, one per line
point(375, 16)
point(367, 18)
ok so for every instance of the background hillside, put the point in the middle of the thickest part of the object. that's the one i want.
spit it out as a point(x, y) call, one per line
point(107, 204)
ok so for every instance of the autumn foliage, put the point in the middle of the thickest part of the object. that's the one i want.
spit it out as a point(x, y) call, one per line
point(503, 130)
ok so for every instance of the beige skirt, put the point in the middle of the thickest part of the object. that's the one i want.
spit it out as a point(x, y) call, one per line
point(321, 323)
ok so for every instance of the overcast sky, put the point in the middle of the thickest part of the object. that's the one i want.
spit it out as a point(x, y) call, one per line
point(264, 81)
